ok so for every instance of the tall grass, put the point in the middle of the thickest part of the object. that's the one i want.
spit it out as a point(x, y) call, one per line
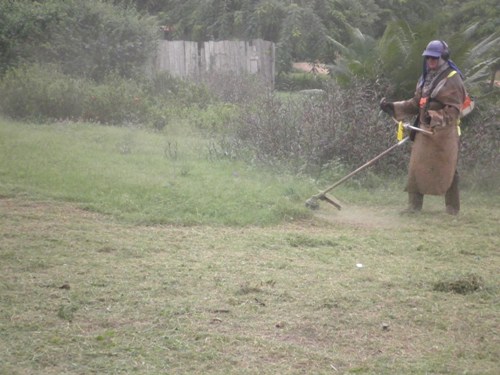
point(141, 176)
point(171, 176)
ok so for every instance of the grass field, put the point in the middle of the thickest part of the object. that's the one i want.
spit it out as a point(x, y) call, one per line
point(106, 268)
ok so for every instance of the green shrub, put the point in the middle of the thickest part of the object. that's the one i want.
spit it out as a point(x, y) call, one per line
point(342, 130)
point(43, 92)
point(86, 38)
point(116, 101)
point(235, 88)
point(215, 118)
point(180, 93)
point(307, 134)
point(480, 142)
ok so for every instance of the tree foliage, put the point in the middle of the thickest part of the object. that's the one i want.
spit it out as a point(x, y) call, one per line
point(372, 39)
point(341, 32)
point(87, 38)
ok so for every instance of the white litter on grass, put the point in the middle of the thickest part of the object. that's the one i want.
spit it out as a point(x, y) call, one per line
point(359, 265)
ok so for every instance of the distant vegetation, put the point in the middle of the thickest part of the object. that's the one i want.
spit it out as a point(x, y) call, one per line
point(91, 61)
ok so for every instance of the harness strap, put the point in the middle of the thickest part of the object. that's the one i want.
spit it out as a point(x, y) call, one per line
point(425, 102)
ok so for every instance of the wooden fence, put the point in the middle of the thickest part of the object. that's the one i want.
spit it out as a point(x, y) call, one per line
point(192, 60)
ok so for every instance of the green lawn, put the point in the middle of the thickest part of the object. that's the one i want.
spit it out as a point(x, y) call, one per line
point(124, 251)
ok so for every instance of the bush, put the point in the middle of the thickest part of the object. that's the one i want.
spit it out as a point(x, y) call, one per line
point(42, 92)
point(343, 129)
point(86, 38)
point(235, 88)
point(214, 119)
point(480, 142)
point(307, 134)
point(180, 93)
point(116, 101)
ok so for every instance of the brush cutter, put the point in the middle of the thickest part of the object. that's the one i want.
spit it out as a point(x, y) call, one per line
point(313, 203)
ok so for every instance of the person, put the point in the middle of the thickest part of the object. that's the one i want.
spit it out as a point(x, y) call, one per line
point(437, 103)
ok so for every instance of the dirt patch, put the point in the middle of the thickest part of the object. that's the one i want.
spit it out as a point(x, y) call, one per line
point(311, 68)
point(30, 207)
point(360, 217)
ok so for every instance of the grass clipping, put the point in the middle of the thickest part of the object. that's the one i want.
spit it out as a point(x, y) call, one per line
point(465, 284)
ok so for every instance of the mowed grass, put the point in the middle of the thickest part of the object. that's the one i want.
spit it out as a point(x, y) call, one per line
point(362, 290)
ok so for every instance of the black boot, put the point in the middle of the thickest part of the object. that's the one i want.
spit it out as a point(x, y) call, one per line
point(452, 197)
point(415, 203)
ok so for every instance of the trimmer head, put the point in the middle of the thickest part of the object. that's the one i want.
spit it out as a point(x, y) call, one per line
point(313, 203)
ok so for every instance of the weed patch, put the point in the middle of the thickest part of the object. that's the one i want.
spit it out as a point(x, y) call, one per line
point(460, 284)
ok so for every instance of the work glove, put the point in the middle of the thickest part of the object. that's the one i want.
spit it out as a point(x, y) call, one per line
point(387, 107)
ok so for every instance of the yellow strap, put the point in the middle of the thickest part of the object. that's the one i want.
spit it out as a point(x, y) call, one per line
point(452, 73)
point(399, 135)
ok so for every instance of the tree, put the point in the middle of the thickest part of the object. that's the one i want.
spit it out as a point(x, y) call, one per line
point(397, 59)
point(342, 16)
point(98, 36)
point(266, 20)
point(91, 38)
point(304, 34)
point(20, 23)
